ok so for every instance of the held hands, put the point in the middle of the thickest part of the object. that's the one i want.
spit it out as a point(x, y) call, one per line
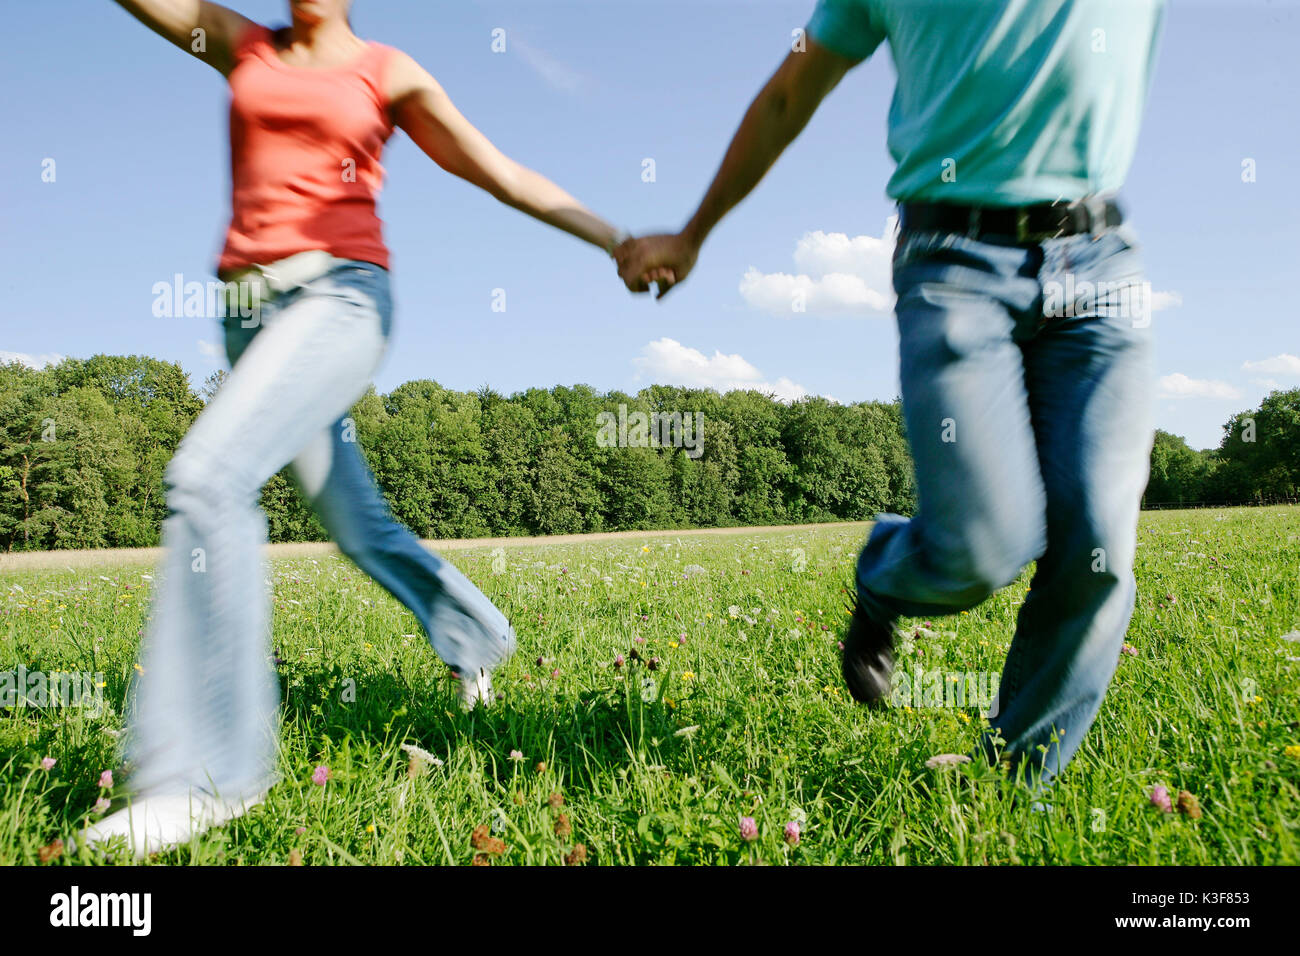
point(665, 259)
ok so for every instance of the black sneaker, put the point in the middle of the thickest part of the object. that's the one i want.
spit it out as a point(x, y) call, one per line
point(868, 659)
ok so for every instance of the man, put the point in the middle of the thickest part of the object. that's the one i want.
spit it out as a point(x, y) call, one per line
point(1023, 324)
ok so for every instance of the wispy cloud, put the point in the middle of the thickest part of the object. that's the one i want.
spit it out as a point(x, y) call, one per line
point(1179, 385)
point(557, 74)
point(667, 362)
point(31, 361)
point(1286, 365)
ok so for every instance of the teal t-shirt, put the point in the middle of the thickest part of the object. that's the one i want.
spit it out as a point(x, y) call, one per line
point(1005, 102)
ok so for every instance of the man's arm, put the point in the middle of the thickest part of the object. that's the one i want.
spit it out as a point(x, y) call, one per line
point(426, 113)
point(778, 114)
point(209, 31)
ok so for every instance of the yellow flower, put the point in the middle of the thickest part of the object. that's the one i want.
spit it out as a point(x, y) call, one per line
point(688, 675)
point(370, 828)
point(672, 704)
point(1293, 751)
point(672, 645)
point(645, 547)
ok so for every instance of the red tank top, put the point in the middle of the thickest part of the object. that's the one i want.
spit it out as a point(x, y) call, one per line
point(305, 146)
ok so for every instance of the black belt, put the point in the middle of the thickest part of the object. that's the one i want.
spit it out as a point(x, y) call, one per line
point(1019, 223)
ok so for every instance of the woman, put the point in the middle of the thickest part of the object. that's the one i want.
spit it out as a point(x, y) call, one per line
point(311, 108)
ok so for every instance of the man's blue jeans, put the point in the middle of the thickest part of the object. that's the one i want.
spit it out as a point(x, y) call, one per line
point(205, 704)
point(1026, 378)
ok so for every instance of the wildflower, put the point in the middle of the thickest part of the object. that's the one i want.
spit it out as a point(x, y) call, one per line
point(555, 801)
point(51, 852)
point(562, 826)
point(946, 760)
point(555, 674)
point(638, 640)
point(1188, 804)
point(748, 829)
point(47, 763)
point(106, 779)
point(672, 645)
point(1160, 798)
point(516, 755)
point(483, 840)
point(618, 660)
point(418, 753)
point(653, 663)
point(1293, 751)
point(541, 766)
point(1129, 649)
point(482, 859)
point(688, 675)
point(299, 831)
point(370, 828)
point(792, 833)
point(320, 775)
point(101, 805)
point(541, 663)
point(578, 856)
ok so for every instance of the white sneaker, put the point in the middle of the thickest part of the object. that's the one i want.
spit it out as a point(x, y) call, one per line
point(157, 822)
point(476, 690)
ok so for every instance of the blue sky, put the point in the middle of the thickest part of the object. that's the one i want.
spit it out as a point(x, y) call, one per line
point(585, 92)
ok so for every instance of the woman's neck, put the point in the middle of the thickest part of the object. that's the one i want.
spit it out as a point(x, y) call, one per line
point(322, 37)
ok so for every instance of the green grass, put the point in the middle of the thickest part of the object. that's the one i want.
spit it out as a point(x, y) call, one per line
point(662, 773)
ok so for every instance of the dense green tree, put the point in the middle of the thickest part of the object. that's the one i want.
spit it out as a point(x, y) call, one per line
point(84, 446)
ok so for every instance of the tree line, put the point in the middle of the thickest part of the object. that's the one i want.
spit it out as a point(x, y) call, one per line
point(84, 445)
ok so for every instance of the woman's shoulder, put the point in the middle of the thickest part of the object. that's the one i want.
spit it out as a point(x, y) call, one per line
point(254, 35)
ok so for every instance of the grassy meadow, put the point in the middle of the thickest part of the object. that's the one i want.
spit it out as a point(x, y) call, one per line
point(667, 687)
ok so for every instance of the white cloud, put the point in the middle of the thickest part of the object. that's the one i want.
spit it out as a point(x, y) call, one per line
point(1179, 385)
point(1165, 300)
point(668, 362)
point(211, 350)
point(557, 75)
point(1285, 364)
point(838, 274)
point(31, 361)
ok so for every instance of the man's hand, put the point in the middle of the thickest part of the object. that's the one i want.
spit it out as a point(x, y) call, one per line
point(666, 259)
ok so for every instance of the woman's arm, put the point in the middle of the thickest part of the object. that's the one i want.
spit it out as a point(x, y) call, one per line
point(420, 107)
point(209, 31)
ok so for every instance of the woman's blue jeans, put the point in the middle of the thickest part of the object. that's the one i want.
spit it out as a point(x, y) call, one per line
point(206, 703)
